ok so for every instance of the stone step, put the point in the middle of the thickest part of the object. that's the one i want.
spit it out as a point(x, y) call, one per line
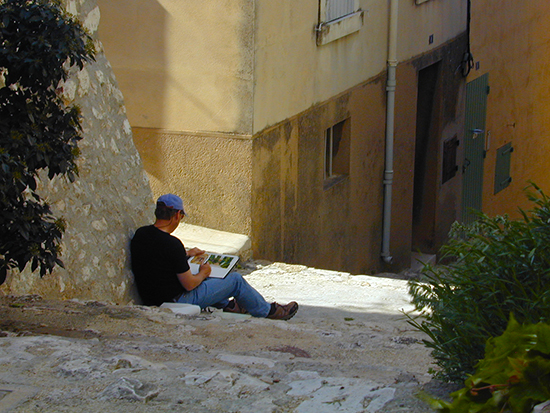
point(214, 241)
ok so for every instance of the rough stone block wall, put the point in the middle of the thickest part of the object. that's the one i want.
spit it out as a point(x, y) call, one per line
point(109, 200)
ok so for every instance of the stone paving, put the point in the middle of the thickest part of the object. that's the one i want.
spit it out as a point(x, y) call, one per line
point(349, 349)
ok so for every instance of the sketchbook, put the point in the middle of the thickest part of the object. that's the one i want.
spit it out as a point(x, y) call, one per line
point(221, 264)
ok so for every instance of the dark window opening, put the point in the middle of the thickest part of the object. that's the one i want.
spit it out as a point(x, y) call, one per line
point(449, 159)
point(337, 144)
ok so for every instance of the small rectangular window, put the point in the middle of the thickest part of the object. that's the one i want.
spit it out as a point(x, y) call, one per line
point(337, 144)
point(502, 170)
point(449, 159)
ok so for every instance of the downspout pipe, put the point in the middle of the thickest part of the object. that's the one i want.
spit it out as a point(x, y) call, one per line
point(391, 84)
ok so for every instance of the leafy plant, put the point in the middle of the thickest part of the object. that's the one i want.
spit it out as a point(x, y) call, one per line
point(499, 267)
point(514, 376)
point(38, 43)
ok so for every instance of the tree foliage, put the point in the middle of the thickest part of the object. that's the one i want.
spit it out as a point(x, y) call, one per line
point(39, 42)
point(501, 267)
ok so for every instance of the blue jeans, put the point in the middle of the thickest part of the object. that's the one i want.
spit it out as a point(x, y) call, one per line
point(216, 292)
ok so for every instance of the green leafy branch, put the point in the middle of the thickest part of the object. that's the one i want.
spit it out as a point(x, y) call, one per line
point(498, 266)
point(38, 43)
point(514, 375)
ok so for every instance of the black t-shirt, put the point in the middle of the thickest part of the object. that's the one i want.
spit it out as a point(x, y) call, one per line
point(157, 257)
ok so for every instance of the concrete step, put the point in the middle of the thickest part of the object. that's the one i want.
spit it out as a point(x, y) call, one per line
point(213, 240)
point(418, 260)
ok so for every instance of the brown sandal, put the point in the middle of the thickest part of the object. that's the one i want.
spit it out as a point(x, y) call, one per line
point(284, 312)
point(234, 307)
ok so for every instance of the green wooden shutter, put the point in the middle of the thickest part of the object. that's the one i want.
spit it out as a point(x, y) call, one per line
point(502, 170)
point(474, 147)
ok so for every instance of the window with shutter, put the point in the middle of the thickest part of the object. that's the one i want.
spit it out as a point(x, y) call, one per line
point(502, 170)
point(338, 18)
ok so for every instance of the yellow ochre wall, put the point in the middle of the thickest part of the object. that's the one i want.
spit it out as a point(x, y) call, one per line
point(511, 43)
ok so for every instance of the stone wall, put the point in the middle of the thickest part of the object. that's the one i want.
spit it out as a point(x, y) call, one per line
point(110, 198)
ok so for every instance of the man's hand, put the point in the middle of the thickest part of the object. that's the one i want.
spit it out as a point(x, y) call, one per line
point(194, 252)
point(189, 281)
point(205, 269)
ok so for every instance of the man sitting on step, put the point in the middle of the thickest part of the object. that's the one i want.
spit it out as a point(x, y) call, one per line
point(162, 273)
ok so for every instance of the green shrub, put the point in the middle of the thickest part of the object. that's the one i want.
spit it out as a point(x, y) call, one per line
point(514, 376)
point(499, 267)
point(38, 41)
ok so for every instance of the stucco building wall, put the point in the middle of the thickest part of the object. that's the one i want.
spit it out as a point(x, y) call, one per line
point(212, 172)
point(297, 219)
point(110, 198)
point(183, 65)
point(511, 44)
point(292, 72)
point(239, 93)
point(186, 71)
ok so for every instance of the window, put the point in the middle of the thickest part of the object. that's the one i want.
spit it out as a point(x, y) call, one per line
point(338, 18)
point(449, 159)
point(502, 170)
point(337, 143)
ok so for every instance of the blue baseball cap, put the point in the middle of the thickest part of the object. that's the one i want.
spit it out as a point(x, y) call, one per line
point(171, 201)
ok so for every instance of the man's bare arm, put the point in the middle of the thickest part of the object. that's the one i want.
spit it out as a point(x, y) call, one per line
point(190, 281)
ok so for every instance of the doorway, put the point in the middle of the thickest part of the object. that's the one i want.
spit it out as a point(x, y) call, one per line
point(426, 160)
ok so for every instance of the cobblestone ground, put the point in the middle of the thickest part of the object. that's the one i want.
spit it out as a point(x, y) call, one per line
point(348, 349)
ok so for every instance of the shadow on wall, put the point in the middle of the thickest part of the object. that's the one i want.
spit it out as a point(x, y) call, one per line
point(137, 54)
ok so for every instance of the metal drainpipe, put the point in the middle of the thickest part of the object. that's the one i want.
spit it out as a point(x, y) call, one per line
point(390, 120)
